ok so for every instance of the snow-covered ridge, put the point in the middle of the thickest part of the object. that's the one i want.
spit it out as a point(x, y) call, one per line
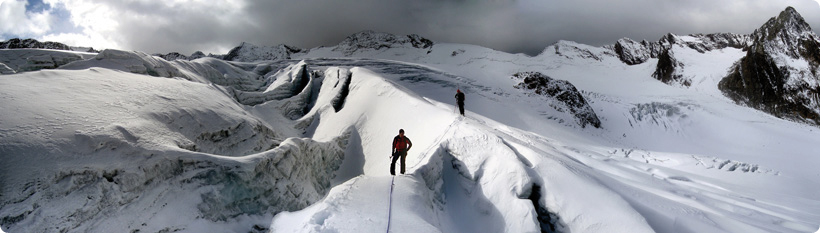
point(23, 60)
point(574, 50)
point(134, 62)
point(632, 52)
point(247, 52)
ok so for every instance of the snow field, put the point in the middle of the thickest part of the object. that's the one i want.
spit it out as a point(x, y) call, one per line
point(303, 146)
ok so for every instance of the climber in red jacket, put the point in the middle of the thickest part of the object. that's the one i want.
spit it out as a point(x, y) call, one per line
point(401, 145)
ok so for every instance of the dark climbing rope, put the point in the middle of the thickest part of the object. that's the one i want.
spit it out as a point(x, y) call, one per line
point(390, 204)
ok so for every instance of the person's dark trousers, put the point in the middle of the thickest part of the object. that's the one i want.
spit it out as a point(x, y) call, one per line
point(461, 108)
point(403, 155)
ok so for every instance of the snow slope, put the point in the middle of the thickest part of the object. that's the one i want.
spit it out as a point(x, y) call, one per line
point(129, 142)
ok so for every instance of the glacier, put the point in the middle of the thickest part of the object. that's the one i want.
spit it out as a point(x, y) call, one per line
point(125, 141)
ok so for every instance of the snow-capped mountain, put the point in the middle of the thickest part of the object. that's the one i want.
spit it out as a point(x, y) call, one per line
point(780, 73)
point(172, 56)
point(632, 52)
point(247, 52)
point(279, 139)
point(361, 41)
point(371, 40)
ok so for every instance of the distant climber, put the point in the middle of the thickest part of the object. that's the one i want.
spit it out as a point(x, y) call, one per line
point(460, 101)
point(401, 145)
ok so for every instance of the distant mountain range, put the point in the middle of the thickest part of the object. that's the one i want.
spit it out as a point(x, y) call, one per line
point(778, 75)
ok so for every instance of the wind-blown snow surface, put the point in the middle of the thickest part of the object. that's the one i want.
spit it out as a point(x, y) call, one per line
point(303, 146)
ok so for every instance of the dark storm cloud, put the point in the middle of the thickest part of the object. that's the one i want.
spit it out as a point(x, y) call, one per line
point(513, 26)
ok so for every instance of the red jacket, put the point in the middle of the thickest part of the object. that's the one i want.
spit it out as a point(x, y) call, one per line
point(401, 144)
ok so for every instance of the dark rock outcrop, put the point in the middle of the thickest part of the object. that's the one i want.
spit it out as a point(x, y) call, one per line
point(779, 74)
point(562, 91)
point(632, 52)
point(16, 43)
point(172, 56)
point(668, 69)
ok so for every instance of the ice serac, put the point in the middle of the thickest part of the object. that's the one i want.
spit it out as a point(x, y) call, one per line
point(247, 52)
point(131, 149)
point(130, 61)
point(567, 96)
point(779, 74)
point(4, 69)
point(23, 60)
point(371, 40)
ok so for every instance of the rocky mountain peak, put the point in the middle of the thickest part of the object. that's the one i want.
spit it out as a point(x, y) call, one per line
point(789, 22)
point(379, 40)
point(779, 73)
point(780, 34)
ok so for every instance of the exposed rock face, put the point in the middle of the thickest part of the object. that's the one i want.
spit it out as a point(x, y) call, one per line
point(632, 52)
point(562, 91)
point(172, 56)
point(779, 74)
point(32, 44)
point(378, 40)
point(247, 52)
point(668, 69)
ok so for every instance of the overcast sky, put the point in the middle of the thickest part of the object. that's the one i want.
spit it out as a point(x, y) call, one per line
point(528, 26)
